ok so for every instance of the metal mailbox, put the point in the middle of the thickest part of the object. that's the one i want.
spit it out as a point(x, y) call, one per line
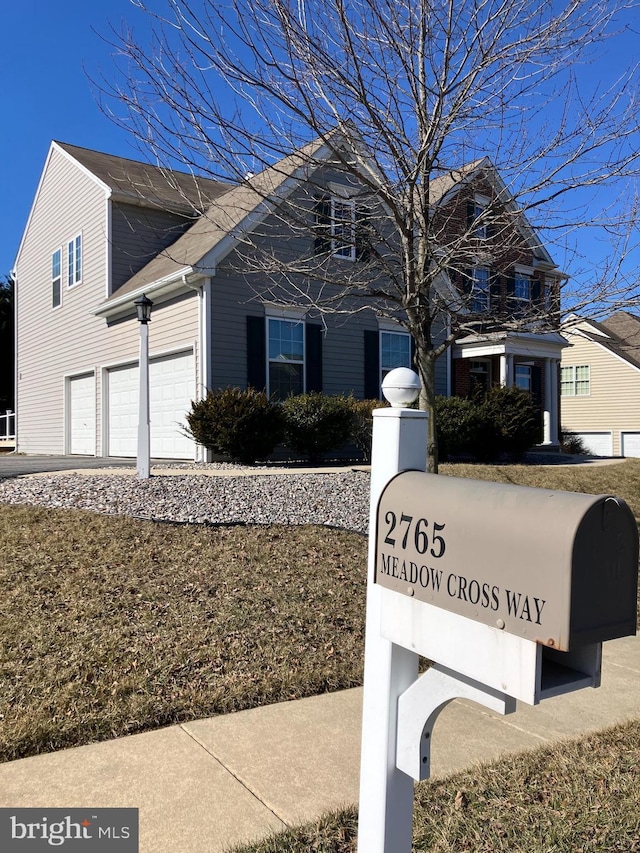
point(557, 568)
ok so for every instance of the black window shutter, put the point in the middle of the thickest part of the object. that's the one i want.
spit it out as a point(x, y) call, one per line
point(313, 356)
point(256, 353)
point(535, 291)
point(371, 365)
point(322, 225)
point(471, 213)
point(467, 281)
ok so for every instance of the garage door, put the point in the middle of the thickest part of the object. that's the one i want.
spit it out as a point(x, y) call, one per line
point(82, 415)
point(171, 390)
point(630, 444)
point(597, 443)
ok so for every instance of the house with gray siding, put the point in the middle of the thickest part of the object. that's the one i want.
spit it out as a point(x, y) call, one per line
point(103, 230)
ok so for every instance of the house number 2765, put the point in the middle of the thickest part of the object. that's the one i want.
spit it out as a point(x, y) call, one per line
point(420, 533)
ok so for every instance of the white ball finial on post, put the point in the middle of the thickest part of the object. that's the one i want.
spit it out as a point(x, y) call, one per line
point(401, 387)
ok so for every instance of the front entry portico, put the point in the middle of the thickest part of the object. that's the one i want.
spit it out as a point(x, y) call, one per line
point(530, 361)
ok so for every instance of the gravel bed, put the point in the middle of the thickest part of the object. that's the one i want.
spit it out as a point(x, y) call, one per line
point(335, 499)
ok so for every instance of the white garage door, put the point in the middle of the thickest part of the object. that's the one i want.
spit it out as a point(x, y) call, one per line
point(597, 443)
point(82, 415)
point(630, 444)
point(171, 390)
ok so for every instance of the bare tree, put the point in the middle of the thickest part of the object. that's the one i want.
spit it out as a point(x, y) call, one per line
point(411, 97)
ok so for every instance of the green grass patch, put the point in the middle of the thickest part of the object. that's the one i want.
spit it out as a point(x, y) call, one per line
point(579, 795)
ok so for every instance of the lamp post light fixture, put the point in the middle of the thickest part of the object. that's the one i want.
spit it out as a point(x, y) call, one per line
point(143, 308)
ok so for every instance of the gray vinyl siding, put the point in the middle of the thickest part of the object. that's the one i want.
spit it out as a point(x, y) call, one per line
point(55, 344)
point(139, 234)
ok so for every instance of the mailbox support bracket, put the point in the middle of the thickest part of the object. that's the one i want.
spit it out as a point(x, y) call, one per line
point(428, 695)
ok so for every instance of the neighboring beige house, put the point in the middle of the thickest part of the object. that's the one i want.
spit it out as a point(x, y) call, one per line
point(103, 230)
point(600, 383)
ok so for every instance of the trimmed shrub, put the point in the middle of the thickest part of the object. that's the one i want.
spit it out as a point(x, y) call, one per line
point(244, 425)
point(362, 427)
point(316, 423)
point(461, 427)
point(571, 443)
point(514, 419)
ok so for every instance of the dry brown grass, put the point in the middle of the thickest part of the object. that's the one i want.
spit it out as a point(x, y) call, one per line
point(111, 625)
point(580, 795)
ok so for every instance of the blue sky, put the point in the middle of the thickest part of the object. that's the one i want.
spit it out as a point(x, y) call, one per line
point(49, 49)
point(45, 94)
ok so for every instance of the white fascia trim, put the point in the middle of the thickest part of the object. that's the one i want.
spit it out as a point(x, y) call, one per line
point(522, 269)
point(172, 283)
point(528, 345)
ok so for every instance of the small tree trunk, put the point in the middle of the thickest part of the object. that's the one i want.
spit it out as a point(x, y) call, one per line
point(426, 364)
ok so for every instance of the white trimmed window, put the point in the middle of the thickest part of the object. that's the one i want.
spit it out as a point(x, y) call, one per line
point(395, 351)
point(56, 278)
point(343, 228)
point(523, 377)
point(285, 357)
point(575, 380)
point(74, 261)
point(480, 290)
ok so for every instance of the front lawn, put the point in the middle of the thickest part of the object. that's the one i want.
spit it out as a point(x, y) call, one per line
point(110, 625)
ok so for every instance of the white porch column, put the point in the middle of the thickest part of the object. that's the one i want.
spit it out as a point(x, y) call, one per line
point(550, 401)
point(506, 370)
point(555, 425)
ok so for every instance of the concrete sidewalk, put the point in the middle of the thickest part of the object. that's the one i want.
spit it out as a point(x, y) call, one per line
point(204, 786)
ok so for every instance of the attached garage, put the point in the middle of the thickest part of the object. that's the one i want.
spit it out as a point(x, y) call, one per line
point(630, 444)
point(597, 443)
point(171, 390)
point(81, 403)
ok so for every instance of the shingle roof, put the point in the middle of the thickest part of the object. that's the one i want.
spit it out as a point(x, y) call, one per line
point(620, 334)
point(224, 219)
point(141, 183)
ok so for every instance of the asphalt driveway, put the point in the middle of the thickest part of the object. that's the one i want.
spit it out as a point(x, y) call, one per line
point(16, 465)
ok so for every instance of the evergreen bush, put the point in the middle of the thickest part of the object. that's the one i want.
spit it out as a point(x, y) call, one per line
point(514, 419)
point(362, 427)
point(460, 427)
point(316, 423)
point(242, 424)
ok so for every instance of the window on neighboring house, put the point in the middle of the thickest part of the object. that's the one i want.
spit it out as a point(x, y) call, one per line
point(285, 346)
point(343, 228)
point(575, 380)
point(480, 290)
point(395, 351)
point(56, 278)
point(74, 261)
point(523, 377)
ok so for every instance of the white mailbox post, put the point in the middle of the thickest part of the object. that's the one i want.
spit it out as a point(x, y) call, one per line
point(510, 591)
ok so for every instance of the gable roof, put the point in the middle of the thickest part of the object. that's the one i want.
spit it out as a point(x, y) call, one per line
point(236, 209)
point(224, 223)
point(619, 334)
point(151, 186)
